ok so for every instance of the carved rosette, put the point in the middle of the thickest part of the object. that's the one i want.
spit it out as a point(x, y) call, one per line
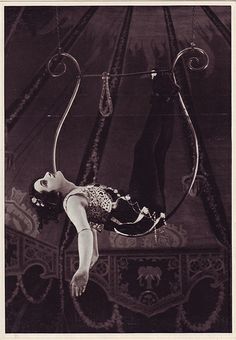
point(211, 264)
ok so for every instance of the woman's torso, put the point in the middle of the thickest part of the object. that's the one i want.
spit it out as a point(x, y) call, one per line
point(99, 202)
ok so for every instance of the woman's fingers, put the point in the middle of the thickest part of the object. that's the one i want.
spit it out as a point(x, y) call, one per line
point(73, 292)
point(77, 290)
point(81, 290)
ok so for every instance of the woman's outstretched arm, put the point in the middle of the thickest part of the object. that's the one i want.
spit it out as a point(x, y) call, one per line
point(77, 214)
point(95, 255)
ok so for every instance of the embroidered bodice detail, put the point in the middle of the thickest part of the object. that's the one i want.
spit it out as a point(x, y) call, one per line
point(99, 203)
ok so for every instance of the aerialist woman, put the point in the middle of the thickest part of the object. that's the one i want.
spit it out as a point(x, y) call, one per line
point(94, 207)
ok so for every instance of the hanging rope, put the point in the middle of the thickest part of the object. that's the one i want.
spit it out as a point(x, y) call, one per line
point(105, 104)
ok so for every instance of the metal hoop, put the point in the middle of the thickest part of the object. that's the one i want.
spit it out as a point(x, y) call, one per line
point(76, 88)
point(185, 111)
point(50, 65)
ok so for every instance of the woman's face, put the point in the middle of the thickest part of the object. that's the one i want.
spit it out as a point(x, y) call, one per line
point(49, 182)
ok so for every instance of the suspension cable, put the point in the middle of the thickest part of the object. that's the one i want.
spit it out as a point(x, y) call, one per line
point(58, 30)
point(193, 23)
point(153, 71)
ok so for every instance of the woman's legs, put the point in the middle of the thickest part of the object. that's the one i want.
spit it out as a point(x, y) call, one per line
point(148, 174)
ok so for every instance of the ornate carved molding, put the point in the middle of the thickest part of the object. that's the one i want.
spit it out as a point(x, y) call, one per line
point(168, 236)
point(23, 251)
point(20, 216)
point(152, 282)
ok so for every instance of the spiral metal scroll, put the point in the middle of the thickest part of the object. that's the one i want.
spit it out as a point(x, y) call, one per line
point(76, 88)
point(185, 111)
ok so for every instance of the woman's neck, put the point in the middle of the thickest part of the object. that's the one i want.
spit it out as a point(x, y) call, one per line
point(66, 188)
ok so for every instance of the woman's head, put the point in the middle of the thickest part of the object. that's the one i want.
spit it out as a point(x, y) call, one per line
point(46, 198)
point(50, 182)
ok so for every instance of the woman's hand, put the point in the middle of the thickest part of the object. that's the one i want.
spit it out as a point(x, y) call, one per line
point(79, 282)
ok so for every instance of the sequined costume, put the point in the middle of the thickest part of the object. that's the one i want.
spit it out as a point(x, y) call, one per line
point(99, 203)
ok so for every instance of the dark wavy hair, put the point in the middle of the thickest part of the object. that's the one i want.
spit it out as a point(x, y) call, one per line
point(48, 205)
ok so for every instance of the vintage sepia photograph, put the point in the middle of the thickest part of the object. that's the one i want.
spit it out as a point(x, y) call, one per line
point(118, 164)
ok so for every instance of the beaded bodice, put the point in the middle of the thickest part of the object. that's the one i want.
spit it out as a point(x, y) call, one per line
point(99, 202)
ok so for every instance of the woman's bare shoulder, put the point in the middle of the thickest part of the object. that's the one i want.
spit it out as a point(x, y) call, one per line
point(74, 198)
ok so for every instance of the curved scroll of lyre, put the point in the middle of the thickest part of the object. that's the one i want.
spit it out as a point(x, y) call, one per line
point(76, 88)
point(192, 68)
